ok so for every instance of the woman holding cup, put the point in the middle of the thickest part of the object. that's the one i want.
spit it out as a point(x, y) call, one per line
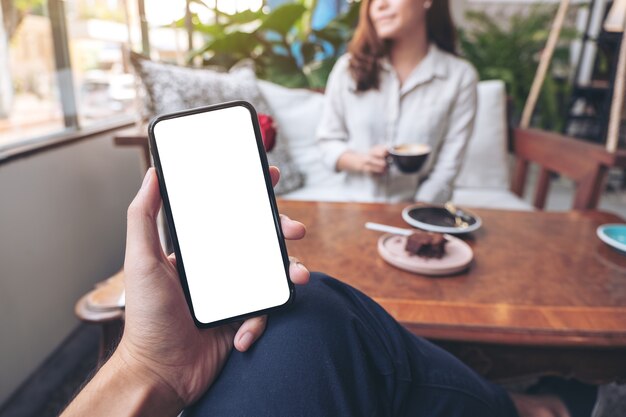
point(400, 85)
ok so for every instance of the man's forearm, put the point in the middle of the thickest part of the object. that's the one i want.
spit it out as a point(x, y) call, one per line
point(121, 390)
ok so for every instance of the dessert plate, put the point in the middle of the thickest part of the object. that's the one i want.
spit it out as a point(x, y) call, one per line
point(438, 219)
point(613, 235)
point(458, 256)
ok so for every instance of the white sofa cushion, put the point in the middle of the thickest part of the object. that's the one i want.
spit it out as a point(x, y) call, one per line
point(484, 178)
point(297, 113)
point(486, 163)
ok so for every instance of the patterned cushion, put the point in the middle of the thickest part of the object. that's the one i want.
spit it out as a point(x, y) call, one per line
point(170, 88)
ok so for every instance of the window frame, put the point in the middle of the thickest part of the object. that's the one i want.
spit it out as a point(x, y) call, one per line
point(29, 147)
point(72, 131)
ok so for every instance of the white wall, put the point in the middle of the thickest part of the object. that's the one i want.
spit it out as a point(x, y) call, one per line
point(62, 228)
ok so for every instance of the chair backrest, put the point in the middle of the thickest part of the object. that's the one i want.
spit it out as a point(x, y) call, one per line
point(486, 162)
point(583, 162)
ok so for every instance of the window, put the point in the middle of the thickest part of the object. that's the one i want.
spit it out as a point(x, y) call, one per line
point(99, 36)
point(64, 66)
point(167, 43)
point(29, 94)
point(64, 63)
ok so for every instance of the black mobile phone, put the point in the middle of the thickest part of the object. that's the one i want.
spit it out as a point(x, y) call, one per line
point(221, 212)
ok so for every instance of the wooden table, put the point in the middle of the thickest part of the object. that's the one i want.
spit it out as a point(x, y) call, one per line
point(543, 296)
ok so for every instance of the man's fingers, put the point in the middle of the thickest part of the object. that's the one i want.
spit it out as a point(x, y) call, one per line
point(275, 175)
point(142, 236)
point(249, 332)
point(172, 258)
point(292, 229)
point(298, 273)
point(253, 328)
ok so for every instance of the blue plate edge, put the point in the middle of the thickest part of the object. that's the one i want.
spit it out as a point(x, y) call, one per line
point(600, 232)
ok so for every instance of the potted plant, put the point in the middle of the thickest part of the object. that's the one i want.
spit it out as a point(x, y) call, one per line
point(282, 43)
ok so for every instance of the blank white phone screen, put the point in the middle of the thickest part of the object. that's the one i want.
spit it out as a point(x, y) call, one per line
point(222, 213)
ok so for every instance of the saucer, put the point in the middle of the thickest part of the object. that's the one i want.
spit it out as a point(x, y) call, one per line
point(458, 256)
point(438, 219)
point(613, 235)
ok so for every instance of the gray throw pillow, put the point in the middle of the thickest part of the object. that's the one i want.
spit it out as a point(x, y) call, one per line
point(170, 88)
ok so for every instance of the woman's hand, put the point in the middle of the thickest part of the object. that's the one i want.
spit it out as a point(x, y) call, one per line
point(160, 338)
point(374, 162)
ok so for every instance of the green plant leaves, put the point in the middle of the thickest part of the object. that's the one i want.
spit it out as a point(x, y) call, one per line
point(282, 45)
point(283, 18)
point(510, 51)
point(246, 16)
point(282, 70)
point(237, 44)
point(317, 72)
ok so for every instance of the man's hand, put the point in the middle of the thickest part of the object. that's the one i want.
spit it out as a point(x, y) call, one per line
point(162, 354)
point(159, 331)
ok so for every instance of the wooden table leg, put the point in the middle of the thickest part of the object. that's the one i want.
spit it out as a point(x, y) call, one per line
point(506, 363)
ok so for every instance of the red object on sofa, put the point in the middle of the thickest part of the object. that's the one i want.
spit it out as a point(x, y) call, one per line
point(268, 131)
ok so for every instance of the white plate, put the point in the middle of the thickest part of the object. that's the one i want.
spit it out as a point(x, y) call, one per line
point(457, 258)
point(410, 213)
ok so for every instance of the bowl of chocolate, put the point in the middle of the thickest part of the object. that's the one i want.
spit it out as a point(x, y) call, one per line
point(434, 218)
point(410, 157)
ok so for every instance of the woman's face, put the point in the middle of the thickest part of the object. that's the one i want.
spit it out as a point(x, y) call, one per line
point(394, 19)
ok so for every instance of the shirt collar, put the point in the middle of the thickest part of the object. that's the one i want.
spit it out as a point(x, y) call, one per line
point(432, 66)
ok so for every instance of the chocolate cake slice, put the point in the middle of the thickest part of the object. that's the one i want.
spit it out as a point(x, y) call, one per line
point(426, 244)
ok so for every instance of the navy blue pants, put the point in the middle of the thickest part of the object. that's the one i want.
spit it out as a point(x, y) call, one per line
point(338, 353)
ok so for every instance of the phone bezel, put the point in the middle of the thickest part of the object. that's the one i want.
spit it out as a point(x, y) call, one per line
point(170, 220)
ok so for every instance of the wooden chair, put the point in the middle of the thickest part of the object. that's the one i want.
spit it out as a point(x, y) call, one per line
point(102, 306)
point(586, 163)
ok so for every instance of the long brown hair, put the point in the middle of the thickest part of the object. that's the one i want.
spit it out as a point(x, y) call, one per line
point(366, 48)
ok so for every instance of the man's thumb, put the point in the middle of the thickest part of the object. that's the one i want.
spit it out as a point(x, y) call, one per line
point(142, 236)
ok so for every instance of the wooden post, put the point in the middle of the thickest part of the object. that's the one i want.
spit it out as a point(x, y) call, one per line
point(617, 102)
point(544, 64)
